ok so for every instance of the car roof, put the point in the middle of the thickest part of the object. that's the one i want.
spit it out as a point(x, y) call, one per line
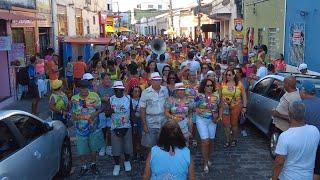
point(298, 75)
point(7, 113)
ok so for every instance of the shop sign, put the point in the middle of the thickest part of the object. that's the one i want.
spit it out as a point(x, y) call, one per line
point(110, 21)
point(5, 43)
point(22, 23)
point(102, 18)
point(238, 25)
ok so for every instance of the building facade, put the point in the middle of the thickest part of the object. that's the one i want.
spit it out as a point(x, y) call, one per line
point(302, 33)
point(264, 24)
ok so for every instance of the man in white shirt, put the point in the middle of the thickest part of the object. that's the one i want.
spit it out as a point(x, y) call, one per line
point(194, 66)
point(296, 148)
point(292, 94)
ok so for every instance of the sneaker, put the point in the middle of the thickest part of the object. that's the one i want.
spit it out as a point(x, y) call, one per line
point(84, 169)
point(102, 151)
point(108, 150)
point(94, 169)
point(116, 170)
point(127, 166)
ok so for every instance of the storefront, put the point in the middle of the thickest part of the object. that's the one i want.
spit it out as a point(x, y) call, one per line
point(106, 24)
point(24, 33)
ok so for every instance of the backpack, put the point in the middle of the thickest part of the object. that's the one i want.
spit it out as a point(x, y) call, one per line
point(23, 76)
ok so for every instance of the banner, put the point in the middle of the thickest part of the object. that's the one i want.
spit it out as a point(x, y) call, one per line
point(5, 43)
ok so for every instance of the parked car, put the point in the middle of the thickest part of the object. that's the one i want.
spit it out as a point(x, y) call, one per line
point(264, 96)
point(31, 148)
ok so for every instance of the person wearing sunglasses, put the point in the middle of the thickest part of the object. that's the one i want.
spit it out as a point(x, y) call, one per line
point(234, 101)
point(207, 107)
point(172, 79)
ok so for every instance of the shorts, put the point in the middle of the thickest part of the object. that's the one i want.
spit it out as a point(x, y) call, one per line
point(232, 118)
point(150, 139)
point(121, 145)
point(91, 144)
point(317, 164)
point(206, 128)
point(137, 128)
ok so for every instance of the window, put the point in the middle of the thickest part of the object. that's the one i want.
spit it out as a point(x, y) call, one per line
point(29, 128)
point(276, 90)
point(88, 27)
point(139, 6)
point(62, 25)
point(272, 42)
point(88, 1)
point(150, 6)
point(94, 20)
point(17, 35)
point(261, 87)
point(8, 144)
point(159, 7)
point(109, 7)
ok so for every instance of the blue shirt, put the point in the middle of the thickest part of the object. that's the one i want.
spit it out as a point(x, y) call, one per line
point(166, 166)
point(312, 111)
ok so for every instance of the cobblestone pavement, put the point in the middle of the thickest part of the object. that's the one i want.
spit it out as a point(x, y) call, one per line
point(249, 160)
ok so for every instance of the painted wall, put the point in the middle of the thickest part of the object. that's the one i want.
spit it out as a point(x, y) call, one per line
point(294, 14)
point(265, 15)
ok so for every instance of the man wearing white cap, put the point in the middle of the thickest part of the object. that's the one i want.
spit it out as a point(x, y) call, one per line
point(152, 110)
point(303, 68)
point(119, 108)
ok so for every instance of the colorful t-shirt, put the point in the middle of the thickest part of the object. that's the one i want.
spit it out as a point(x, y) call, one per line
point(232, 94)
point(180, 108)
point(61, 100)
point(210, 104)
point(85, 106)
point(121, 116)
point(192, 92)
point(79, 68)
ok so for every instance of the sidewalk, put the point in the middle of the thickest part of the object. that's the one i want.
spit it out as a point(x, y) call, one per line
point(25, 105)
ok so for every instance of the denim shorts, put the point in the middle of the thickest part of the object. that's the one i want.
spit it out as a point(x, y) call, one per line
point(91, 144)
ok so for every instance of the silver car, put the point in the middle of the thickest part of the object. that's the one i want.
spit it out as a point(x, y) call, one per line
point(31, 148)
point(264, 96)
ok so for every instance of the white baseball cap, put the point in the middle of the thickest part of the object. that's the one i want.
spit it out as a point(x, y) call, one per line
point(87, 76)
point(118, 85)
point(303, 66)
point(155, 75)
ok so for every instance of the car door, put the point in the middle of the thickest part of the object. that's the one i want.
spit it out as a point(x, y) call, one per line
point(273, 95)
point(257, 100)
point(10, 165)
point(39, 149)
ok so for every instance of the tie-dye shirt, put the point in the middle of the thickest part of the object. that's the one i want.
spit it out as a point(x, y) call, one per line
point(85, 106)
point(210, 104)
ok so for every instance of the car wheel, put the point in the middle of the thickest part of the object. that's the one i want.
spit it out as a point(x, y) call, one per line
point(65, 159)
point(273, 143)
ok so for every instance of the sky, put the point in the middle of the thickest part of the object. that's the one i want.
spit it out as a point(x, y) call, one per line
point(125, 5)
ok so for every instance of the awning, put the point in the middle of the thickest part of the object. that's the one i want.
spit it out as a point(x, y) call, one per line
point(124, 29)
point(220, 16)
point(109, 29)
point(84, 40)
point(12, 16)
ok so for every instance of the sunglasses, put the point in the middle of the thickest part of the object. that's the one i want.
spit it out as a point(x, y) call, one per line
point(172, 77)
point(229, 74)
point(209, 85)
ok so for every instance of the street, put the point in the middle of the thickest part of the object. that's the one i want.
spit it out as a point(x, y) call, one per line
point(249, 160)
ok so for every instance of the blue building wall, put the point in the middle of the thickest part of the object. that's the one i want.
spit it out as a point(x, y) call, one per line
point(307, 14)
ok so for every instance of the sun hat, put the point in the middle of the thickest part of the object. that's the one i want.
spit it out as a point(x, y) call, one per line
point(179, 86)
point(87, 76)
point(118, 85)
point(56, 84)
point(308, 86)
point(155, 75)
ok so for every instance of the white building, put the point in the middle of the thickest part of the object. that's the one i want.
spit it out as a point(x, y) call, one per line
point(225, 12)
point(159, 5)
point(77, 18)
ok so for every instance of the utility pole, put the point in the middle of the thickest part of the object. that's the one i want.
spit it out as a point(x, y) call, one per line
point(171, 14)
point(199, 21)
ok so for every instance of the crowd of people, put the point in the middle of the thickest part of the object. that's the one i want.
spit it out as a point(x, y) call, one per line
point(134, 104)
